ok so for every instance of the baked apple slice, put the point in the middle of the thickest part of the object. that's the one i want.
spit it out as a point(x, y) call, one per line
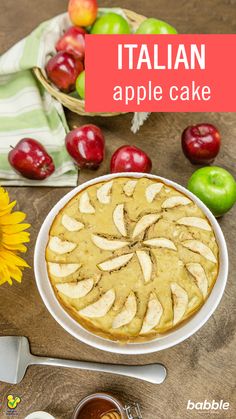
point(153, 314)
point(180, 301)
point(194, 222)
point(85, 205)
point(199, 247)
point(71, 224)
point(101, 307)
point(127, 313)
point(76, 289)
point(59, 246)
point(115, 263)
point(152, 190)
point(175, 201)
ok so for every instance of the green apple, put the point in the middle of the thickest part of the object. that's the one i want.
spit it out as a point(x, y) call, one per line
point(155, 27)
point(111, 24)
point(80, 84)
point(216, 187)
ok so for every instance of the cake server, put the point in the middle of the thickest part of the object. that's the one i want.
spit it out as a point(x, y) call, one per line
point(15, 357)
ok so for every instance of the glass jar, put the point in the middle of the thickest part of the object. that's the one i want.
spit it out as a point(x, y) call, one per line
point(98, 404)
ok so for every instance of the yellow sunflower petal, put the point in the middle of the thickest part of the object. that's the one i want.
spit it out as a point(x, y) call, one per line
point(14, 218)
point(2, 191)
point(4, 274)
point(7, 209)
point(22, 237)
point(15, 273)
point(19, 247)
point(4, 198)
point(12, 258)
point(4, 279)
point(15, 228)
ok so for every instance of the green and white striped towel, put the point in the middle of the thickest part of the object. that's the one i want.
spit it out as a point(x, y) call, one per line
point(27, 110)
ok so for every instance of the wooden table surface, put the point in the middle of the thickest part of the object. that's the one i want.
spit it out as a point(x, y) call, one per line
point(202, 367)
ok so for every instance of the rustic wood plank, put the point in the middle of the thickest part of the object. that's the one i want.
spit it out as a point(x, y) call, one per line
point(201, 367)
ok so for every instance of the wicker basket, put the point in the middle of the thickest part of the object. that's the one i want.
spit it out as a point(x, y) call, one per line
point(74, 104)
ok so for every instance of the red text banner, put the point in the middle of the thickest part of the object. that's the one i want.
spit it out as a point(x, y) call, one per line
point(160, 73)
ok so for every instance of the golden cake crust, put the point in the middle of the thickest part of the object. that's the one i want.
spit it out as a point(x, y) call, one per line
point(130, 259)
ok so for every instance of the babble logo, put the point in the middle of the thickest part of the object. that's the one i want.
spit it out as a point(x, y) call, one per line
point(208, 405)
point(12, 402)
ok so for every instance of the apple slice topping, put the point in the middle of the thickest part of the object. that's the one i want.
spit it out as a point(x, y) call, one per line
point(152, 190)
point(127, 313)
point(115, 263)
point(153, 314)
point(104, 193)
point(144, 222)
point(175, 201)
point(71, 224)
point(160, 242)
point(197, 271)
point(61, 247)
point(180, 301)
point(76, 290)
point(129, 187)
point(106, 244)
point(85, 205)
point(101, 307)
point(199, 247)
point(62, 270)
point(194, 222)
point(119, 219)
point(145, 264)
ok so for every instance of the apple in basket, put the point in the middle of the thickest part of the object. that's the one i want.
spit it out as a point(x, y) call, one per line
point(80, 85)
point(63, 70)
point(82, 12)
point(155, 27)
point(73, 41)
point(111, 24)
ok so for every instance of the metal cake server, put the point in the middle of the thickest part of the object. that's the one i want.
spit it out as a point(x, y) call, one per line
point(15, 357)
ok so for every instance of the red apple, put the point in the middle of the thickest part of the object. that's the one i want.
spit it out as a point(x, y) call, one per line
point(73, 41)
point(31, 160)
point(86, 146)
point(63, 70)
point(82, 12)
point(201, 143)
point(130, 159)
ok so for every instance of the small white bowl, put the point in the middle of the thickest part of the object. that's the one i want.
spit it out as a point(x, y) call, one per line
point(164, 341)
point(39, 415)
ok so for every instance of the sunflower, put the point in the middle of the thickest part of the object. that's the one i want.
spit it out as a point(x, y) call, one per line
point(12, 239)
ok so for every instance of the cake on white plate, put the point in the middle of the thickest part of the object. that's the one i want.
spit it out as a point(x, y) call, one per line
point(130, 259)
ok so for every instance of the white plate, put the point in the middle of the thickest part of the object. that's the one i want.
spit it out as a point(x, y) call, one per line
point(165, 341)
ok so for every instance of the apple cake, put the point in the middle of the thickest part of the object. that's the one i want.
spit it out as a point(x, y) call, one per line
point(130, 259)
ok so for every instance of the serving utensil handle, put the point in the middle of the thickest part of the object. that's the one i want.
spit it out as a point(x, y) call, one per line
point(152, 373)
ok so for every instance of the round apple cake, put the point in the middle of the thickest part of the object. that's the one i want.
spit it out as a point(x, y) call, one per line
point(131, 258)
